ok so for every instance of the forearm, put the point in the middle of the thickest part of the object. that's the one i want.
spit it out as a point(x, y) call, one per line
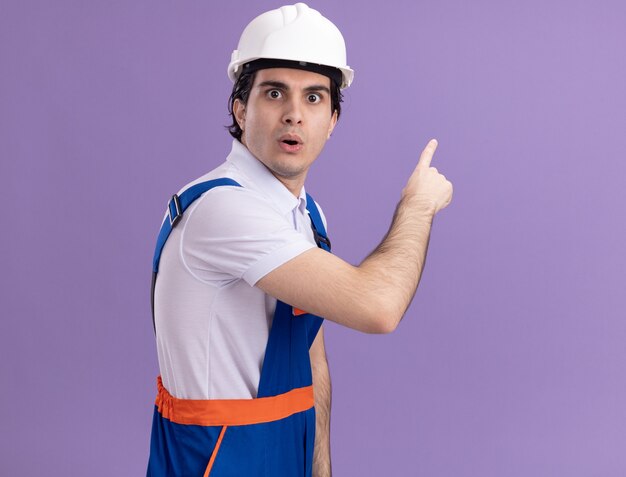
point(393, 270)
point(371, 297)
point(322, 394)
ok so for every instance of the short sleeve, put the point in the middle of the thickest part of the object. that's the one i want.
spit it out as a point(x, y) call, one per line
point(236, 233)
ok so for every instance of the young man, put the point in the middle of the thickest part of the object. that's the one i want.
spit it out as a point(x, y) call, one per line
point(244, 386)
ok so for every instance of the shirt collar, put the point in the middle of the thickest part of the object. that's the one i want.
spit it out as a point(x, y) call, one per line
point(263, 180)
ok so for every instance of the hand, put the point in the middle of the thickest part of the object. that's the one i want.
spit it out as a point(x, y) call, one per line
point(426, 185)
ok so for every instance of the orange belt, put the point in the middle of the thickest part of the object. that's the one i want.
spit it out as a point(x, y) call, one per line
point(232, 412)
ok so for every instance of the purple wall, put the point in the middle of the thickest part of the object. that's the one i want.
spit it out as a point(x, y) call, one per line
point(511, 360)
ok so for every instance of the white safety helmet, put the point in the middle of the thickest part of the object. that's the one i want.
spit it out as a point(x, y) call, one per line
point(293, 33)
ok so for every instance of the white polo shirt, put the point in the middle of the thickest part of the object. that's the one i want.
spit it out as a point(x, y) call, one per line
point(212, 322)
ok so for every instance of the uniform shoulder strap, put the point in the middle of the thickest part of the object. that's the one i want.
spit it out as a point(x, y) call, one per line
point(321, 238)
point(175, 209)
point(317, 224)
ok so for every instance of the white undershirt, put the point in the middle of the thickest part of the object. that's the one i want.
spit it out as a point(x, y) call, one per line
point(212, 322)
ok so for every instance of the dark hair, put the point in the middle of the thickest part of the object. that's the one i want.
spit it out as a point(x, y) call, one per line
point(241, 91)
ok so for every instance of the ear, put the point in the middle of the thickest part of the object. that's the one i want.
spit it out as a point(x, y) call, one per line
point(239, 110)
point(333, 122)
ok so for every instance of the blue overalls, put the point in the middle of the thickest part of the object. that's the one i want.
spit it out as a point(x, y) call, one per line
point(272, 435)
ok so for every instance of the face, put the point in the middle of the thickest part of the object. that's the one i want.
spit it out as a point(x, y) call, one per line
point(286, 121)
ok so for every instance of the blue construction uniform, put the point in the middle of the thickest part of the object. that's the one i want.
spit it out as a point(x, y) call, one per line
point(270, 435)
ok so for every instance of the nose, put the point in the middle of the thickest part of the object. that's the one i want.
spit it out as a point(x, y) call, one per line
point(292, 114)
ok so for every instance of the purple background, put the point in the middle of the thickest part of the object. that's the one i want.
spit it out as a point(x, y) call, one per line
point(511, 360)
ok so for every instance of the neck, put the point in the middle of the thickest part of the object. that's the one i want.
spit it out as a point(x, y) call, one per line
point(293, 185)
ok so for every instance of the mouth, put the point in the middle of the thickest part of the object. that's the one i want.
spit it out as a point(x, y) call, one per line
point(290, 143)
point(291, 139)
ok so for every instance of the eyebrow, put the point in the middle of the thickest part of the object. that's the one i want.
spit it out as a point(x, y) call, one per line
point(284, 86)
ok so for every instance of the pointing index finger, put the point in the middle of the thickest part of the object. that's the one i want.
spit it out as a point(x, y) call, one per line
point(427, 154)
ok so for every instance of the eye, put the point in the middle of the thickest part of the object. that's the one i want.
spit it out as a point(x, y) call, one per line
point(274, 94)
point(313, 98)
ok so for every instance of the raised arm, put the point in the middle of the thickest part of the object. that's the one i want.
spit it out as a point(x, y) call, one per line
point(373, 296)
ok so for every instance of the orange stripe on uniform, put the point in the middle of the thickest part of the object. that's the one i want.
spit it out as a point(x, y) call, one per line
point(232, 412)
point(298, 311)
point(215, 451)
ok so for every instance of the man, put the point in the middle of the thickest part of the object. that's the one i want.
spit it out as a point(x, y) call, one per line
point(244, 387)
